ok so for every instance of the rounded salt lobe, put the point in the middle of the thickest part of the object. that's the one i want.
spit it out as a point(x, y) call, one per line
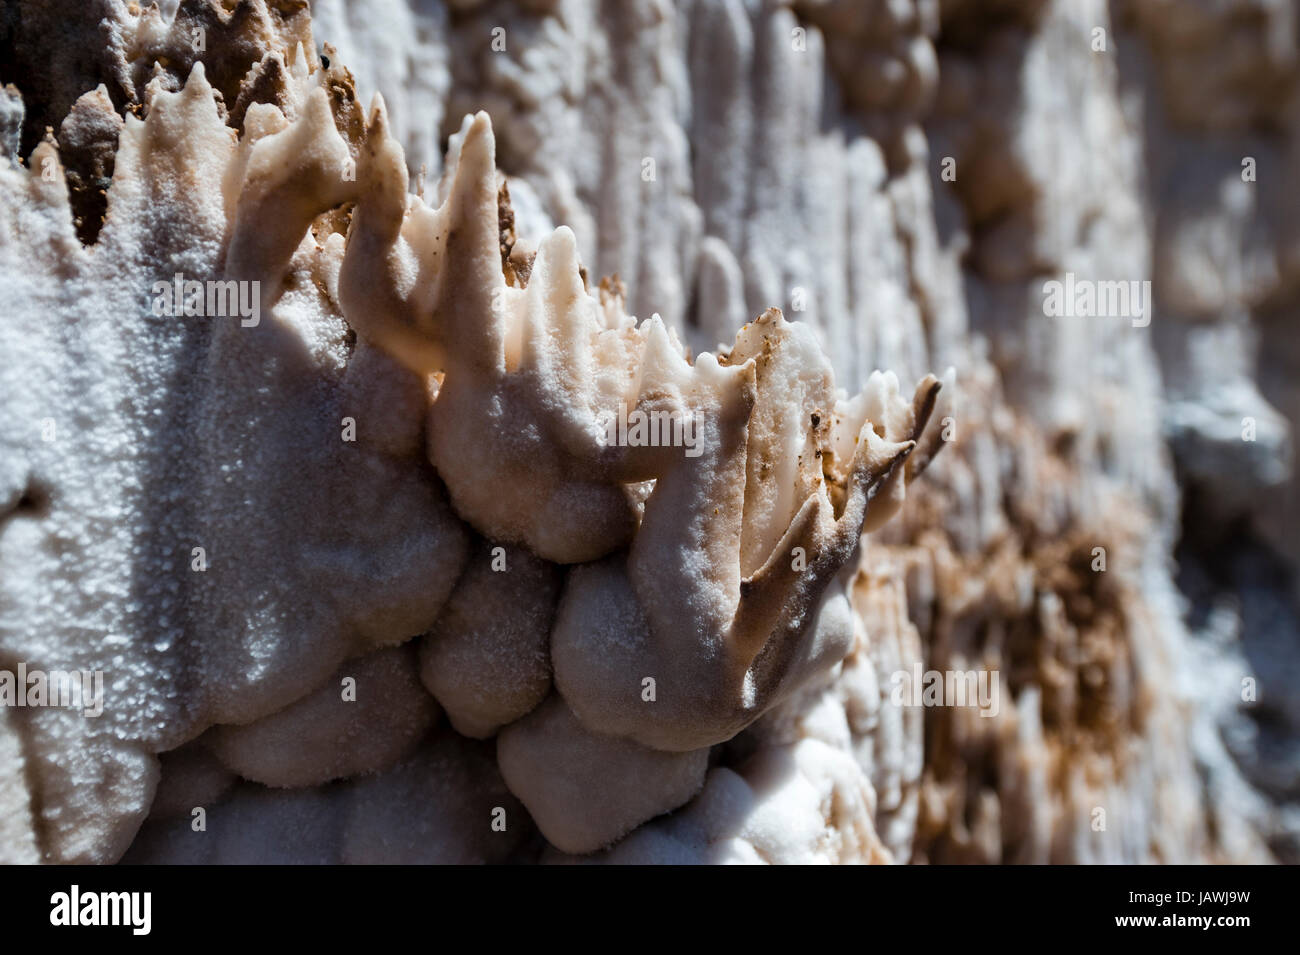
point(365, 717)
point(487, 658)
point(555, 765)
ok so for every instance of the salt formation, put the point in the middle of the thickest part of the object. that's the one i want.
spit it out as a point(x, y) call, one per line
point(308, 207)
point(276, 537)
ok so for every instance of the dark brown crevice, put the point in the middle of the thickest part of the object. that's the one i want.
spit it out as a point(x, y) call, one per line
point(34, 501)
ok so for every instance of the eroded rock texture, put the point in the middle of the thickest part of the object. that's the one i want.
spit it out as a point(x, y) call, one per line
point(313, 634)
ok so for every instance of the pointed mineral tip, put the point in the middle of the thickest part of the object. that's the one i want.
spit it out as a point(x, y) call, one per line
point(377, 126)
point(46, 168)
point(298, 61)
point(196, 84)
